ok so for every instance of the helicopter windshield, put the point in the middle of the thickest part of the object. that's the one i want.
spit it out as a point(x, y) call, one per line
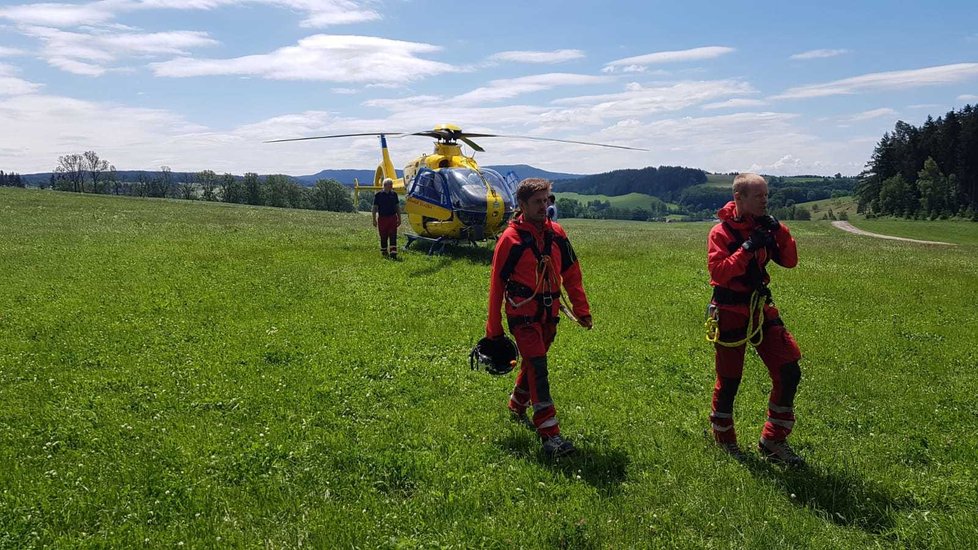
point(430, 186)
point(468, 189)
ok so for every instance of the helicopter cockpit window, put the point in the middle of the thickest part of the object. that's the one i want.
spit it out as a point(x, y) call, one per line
point(468, 189)
point(506, 186)
point(429, 186)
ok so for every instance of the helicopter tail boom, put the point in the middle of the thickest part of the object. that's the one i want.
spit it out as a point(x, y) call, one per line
point(386, 168)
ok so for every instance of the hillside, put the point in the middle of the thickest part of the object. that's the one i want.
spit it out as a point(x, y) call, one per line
point(631, 200)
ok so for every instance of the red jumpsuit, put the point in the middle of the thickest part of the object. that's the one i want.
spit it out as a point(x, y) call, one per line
point(734, 274)
point(529, 267)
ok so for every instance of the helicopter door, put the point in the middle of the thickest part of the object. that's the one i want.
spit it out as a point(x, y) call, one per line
point(429, 186)
point(428, 200)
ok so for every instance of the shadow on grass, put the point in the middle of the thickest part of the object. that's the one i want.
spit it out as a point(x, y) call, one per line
point(603, 469)
point(841, 497)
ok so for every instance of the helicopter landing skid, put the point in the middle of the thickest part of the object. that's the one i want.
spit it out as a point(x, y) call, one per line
point(436, 246)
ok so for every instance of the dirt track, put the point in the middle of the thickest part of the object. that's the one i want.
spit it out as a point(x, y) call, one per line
point(846, 226)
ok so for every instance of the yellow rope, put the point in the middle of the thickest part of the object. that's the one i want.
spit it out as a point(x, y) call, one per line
point(754, 310)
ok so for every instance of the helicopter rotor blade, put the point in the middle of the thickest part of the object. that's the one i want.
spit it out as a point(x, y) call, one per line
point(466, 134)
point(475, 146)
point(456, 135)
point(337, 136)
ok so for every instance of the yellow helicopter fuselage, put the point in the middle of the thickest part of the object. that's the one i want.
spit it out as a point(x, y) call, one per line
point(432, 220)
point(431, 209)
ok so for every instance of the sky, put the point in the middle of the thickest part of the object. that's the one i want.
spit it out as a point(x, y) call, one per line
point(770, 87)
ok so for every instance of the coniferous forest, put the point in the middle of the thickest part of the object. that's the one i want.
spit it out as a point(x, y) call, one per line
point(929, 171)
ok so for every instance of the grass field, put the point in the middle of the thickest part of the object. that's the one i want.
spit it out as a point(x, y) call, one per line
point(182, 374)
point(719, 180)
point(630, 200)
point(820, 209)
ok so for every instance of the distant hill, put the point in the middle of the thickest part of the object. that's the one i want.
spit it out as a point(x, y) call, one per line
point(346, 177)
point(665, 182)
point(525, 171)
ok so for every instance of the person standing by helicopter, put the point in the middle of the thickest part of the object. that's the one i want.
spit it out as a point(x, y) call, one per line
point(532, 260)
point(552, 209)
point(387, 218)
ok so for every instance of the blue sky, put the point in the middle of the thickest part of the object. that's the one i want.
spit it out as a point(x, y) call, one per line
point(200, 84)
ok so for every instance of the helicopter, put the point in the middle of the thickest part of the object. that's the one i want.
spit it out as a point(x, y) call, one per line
point(448, 196)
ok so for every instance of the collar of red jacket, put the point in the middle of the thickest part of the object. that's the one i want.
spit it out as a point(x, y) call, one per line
point(729, 214)
point(521, 224)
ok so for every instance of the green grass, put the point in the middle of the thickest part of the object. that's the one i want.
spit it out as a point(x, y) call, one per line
point(179, 372)
point(631, 200)
point(719, 180)
point(951, 231)
point(820, 209)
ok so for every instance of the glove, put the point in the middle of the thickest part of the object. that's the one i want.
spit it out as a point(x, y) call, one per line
point(759, 239)
point(768, 222)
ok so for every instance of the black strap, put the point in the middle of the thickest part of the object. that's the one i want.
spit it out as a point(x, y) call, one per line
point(544, 300)
point(519, 290)
point(727, 297)
point(567, 255)
point(516, 252)
point(528, 241)
point(756, 272)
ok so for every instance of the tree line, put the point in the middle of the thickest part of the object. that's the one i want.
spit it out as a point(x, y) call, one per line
point(89, 173)
point(702, 200)
point(603, 210)
point(12, 179)
point(926, 172)
point(665, 182)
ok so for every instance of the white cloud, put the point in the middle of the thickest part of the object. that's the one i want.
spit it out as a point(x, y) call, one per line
point(325, 13)
point(11, 85)
point(640, 101)
point(47, 127)
point(786, 164)
point(632, 64)
point(873, 113)
point(76, 67)
point(319, 13)
point(968, 97)
point(333, 58)
point(10, 52)
point(735, 103)
point(507, 89)
point(818, 54)
point(60, 15)
point(892, 80)
point(556, 56)
point(88, 53)
point(770, 142)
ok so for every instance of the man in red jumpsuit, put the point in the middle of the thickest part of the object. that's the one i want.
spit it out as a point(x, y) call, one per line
point(387, 218)
point(532, 260)
point(740, 248)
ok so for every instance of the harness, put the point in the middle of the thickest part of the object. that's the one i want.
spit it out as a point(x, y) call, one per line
point(755, 300)
point(518, 294)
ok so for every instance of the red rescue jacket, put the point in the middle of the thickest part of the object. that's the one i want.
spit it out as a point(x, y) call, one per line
point(729, 268)
point(515, 271)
